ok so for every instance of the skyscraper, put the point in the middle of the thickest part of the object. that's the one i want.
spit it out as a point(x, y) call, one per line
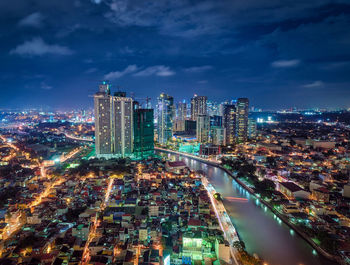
point(198, 106)
point(215, 121)
point(217, 131)
point(217, 135)
point(103, 123)
point(181, 111)
point(242, 120)
point(202, 129)
point(181, 116)
point(122, 119)
point(165, 117)
point(251, 128)
point(229, 117)
point(143, 132)
point(212, 108)
point(113, 123)
point(104, 88)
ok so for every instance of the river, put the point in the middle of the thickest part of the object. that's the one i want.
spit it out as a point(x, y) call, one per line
point(262, 233)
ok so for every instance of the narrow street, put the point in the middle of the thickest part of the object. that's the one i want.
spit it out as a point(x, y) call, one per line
point(95, 223)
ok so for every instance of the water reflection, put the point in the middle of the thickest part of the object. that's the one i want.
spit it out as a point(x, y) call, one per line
point(262, 231)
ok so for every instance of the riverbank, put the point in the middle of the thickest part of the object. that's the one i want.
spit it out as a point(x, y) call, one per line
point(227, 227)
point(283, 218)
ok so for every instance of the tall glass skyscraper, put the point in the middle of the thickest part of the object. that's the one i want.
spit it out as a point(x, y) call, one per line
point(242, 120)
point(143, 132)
point(251, 128)
point(229, 122)
point(165, 112)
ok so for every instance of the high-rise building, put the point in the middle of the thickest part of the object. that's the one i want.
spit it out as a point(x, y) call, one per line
point(215, 121)
point(104, 88)
point(181, 111)
point(113, 123)
point(212, 108)
point(217, 131)
point(198, 106)
point(122, 120)
point(202, 128)
point(179, 125)
point(229, 117)
point(165, 117)
point(190, 127)
point(242, 120)
point(221, 109)
point(103, 122)
point(251, 128)
point(181, 117)
point(217, 135)
point(143, 132)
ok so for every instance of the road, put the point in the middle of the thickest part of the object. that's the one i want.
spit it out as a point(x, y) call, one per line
point(78, 138)
point(188, 155)
point(226, 225)
point(96, 223)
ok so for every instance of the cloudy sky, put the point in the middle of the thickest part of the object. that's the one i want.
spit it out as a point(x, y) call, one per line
point(279, 53)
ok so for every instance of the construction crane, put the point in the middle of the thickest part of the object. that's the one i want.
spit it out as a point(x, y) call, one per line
point(142, 100)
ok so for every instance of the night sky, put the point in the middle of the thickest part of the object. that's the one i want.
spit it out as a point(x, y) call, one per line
point(54, 53)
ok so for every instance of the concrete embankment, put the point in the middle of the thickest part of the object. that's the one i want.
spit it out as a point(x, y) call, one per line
point(279, 215)
point(284, 219)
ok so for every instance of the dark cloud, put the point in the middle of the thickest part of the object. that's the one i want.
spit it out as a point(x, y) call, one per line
point(262, 49)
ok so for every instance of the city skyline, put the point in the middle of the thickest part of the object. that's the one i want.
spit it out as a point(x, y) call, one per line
point(55, 54)
point(162, 132)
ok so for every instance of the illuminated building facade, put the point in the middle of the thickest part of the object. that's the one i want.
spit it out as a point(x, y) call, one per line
point(212, 108)
point(198, 106)
point(229, 122)
point(217, 135)
point(217, 131)
point(215, 121)
point(122, 119)
point(251, 128)
point(181, 116)
point(113, 123)
point(202, 129)
point(192, 246)
point(242, 120)
point(143, 132)
point(165, 111)
point(103, 123)
point(181, 111)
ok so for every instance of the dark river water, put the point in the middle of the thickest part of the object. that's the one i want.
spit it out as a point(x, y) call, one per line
point(262, 233)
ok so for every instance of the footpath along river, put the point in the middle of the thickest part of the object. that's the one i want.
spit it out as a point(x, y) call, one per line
point(257, 226)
